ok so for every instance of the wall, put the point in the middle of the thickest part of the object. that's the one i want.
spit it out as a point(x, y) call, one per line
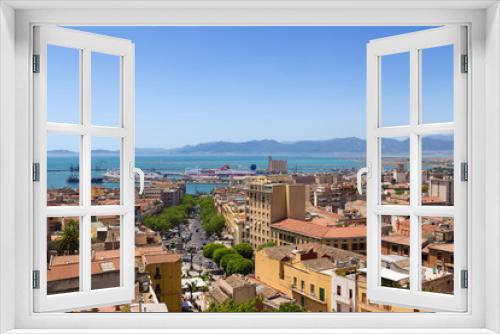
point(7, 175)
point(170, 283)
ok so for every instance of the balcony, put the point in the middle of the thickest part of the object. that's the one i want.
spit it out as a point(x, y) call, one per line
point(310, 296)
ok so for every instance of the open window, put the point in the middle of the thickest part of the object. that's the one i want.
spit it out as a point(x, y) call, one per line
point(431, 66)
point(66, 64)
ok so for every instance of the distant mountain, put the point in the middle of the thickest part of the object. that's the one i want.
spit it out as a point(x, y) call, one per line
point(336, 147)
point(61, 153)
point(350, 146)
point(72, 153)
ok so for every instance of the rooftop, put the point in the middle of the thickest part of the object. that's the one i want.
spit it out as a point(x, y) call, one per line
point(316, 228)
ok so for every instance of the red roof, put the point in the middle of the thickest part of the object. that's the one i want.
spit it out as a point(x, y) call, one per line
point(319, 230)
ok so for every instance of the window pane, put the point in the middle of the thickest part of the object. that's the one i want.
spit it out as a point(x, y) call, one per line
point(437, 84)
point(106, 171)
point(437, 254)
point(395, 153)
point(105, 243)
point(63, 85)
point(106, 89)
point(395, 252)
point(437, 170)
point(395, 89)
point(63, 169)
point(63, 259)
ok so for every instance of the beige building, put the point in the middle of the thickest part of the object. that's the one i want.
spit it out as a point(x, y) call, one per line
point(234, 216)
point(235, 287)
point(442, 189)
point(276, 166)
point(268, 203)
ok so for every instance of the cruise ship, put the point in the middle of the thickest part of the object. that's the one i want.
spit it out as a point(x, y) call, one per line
point(222, 172)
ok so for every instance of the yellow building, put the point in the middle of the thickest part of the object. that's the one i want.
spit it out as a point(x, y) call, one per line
point(363, 304)
point(303, 272)
point(165, 272)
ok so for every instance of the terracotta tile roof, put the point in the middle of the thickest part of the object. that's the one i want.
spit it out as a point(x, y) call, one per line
point(318, 230)
point(319, 264)
point(400, 239)
point(68, 266)
point(282, 252)
point(65, 271)
point(397, 239)
point(448, 247)
point(161, 258)
point(431, 199)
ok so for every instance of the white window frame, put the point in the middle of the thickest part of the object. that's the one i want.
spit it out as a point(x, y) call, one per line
point(413, 43)
point(16, 20)
point(86, 44)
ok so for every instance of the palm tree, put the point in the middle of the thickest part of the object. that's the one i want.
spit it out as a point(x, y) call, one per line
point(192, 287)
point(69, 241)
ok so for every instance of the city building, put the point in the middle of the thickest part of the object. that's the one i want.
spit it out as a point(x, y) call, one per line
point(324, 231)
point(236, 287)
point(276, 166)
point(442, 189)
point(268, 203)
point(363, 304)
point(344, 290)
point(164, 269)
point(304, 272)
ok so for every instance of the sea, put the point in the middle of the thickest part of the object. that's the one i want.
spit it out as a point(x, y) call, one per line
point(59, 166)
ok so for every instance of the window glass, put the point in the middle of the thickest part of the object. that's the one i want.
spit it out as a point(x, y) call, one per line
point(395, 178)
point(437, 84)
point(106, 90)
point(63, 85)
point(63, 255)
point(63, 170)
point(395, 89)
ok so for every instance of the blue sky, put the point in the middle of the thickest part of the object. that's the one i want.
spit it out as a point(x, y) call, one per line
point(200, 84)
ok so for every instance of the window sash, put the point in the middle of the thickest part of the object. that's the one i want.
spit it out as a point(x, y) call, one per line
point(412, 43)
point(86, 43)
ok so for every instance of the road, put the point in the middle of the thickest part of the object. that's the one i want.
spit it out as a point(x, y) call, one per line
point(198, 237)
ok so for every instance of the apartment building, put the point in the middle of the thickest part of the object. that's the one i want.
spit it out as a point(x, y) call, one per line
point(344, 290)
point(323, 231)
point(304, 272)
point(441, 189)
point(165, 271)
point(268, 203)
point(276, 166)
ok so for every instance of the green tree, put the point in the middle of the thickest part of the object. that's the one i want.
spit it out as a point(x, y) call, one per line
point(208, 249)
point(214, 225)
point(69, 241)
point(240, 266)
point(224, 261)
point(231, 307)
point(244, 250)
point(266, 245)
point(290, 307)
point(219, 253)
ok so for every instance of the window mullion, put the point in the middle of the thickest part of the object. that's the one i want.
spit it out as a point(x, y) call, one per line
point(86, 172)
point(415, 251)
